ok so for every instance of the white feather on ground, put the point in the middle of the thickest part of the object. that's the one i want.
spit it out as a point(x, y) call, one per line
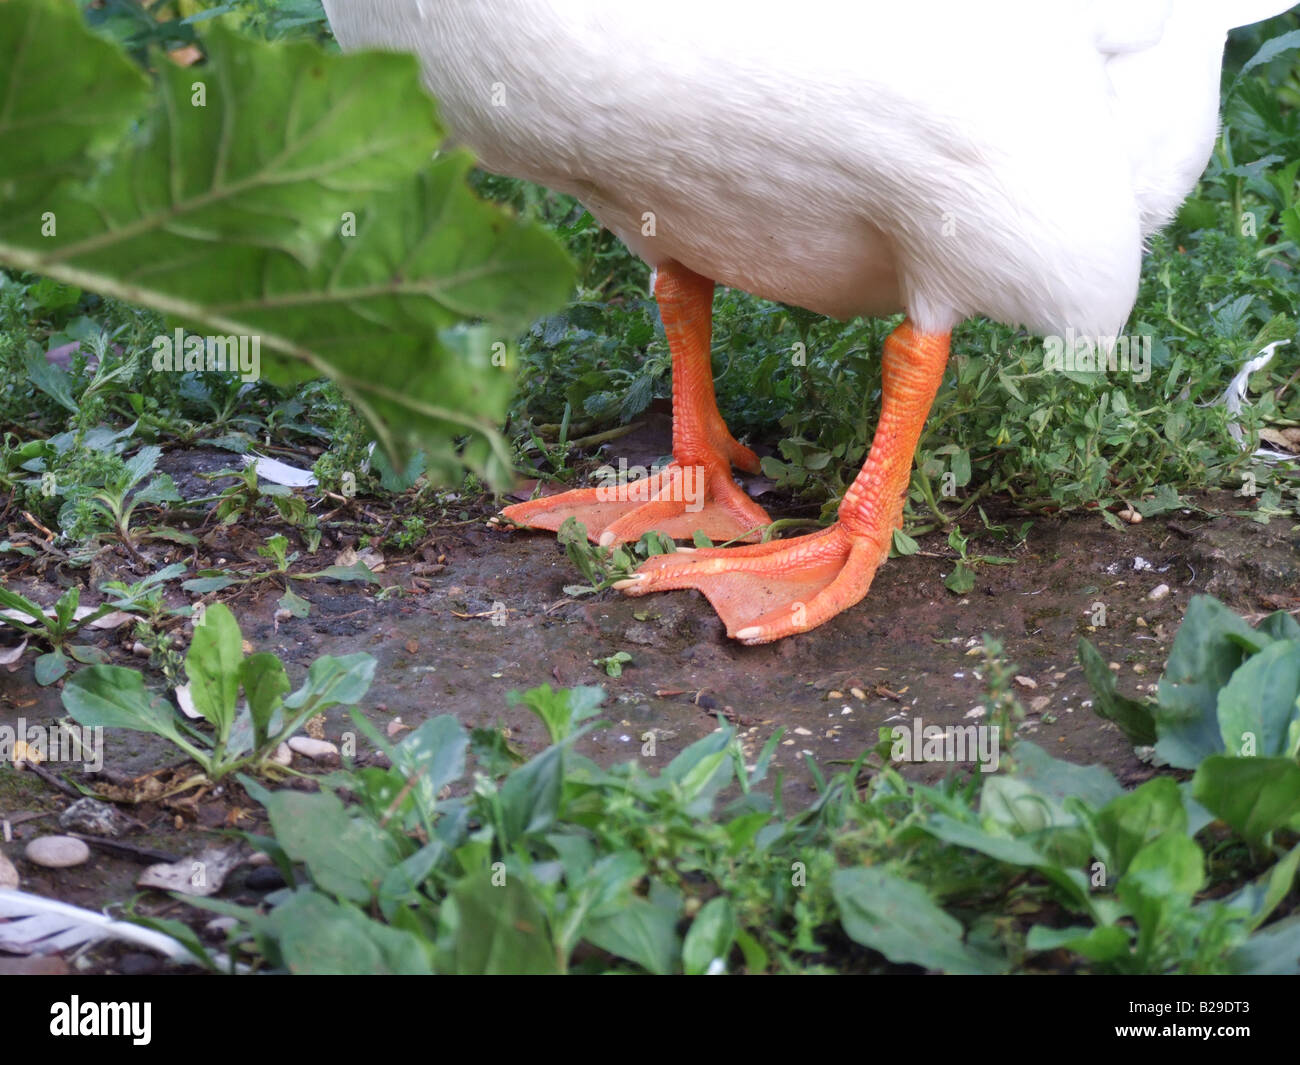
point(37, 925)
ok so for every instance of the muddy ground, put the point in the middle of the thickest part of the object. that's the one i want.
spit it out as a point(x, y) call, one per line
point(905, 650)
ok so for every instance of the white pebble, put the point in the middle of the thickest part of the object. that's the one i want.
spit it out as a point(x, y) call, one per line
point(8, 875)
point(310, 748)
point(57, 852)
point(1159, 591)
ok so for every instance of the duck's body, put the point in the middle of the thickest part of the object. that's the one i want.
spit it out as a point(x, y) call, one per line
point(942, 158)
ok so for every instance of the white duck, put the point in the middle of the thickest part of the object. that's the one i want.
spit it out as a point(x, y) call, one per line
point(938, 157)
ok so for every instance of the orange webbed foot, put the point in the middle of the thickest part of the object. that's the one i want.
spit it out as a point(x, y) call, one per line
point(768, 591)
point(678, 501)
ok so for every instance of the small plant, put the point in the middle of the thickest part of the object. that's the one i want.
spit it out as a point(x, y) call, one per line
point(276, 549)
point(962, 578)
point(55, 627)
point(116, 502)
point(603, 566)
point(613, 664)
point(242, 500)
point(414, 530)
point(1228, 706)
point(244, 732)
point(145, 597)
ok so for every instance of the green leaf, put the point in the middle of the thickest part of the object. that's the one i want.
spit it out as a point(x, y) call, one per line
point(50, 667)
point(1011, 851)
point(113, 697)
point(1058, 780)
point(530, 797)
point(1211, 643)
point(87, 655)
point(642, 932)
point(333, 680)
point(319, 937)
point(1272, 951)
point(1102, 944)
point(710, 937)
point(561, 711)
point(294, 603)
point(1134, 719)
point(358, 571)
point(501, 929)
point(1129, 823)
point(265, 685)
point(434, 756)
point(1260, 706)
point(402, 884)
point(141, 464)
point(1271, 49)
point(213, 665)
point(11, 600)
point(203, 585)
point(1168, 870)
point(961, 580)
point(899, 919)
point(58, 111)
point(50, 379)
point(282, 194)
point(346, 856)
point(1253, 795)
point(1263, 895)
point(903, 545)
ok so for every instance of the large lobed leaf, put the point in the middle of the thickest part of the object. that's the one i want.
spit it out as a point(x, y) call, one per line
point(280, 193)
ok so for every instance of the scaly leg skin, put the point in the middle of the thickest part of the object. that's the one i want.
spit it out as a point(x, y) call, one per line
point(696, 490)
point(766, 591)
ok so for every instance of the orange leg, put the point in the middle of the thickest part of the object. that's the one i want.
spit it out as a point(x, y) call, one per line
point(695, 491)
point(766, 591)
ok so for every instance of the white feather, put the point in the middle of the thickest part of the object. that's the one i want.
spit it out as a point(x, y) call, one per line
point(38, 925)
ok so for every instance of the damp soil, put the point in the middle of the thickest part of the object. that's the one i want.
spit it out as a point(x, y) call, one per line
point(476, 612)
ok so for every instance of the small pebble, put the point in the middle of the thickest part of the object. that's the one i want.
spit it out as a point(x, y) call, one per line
point(834, 695)
point(857, 693)
point(282, 755)
point(311, 748)
point(1158, 592)
point(1027, 682)
point(8, 875)
point(57, 852)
